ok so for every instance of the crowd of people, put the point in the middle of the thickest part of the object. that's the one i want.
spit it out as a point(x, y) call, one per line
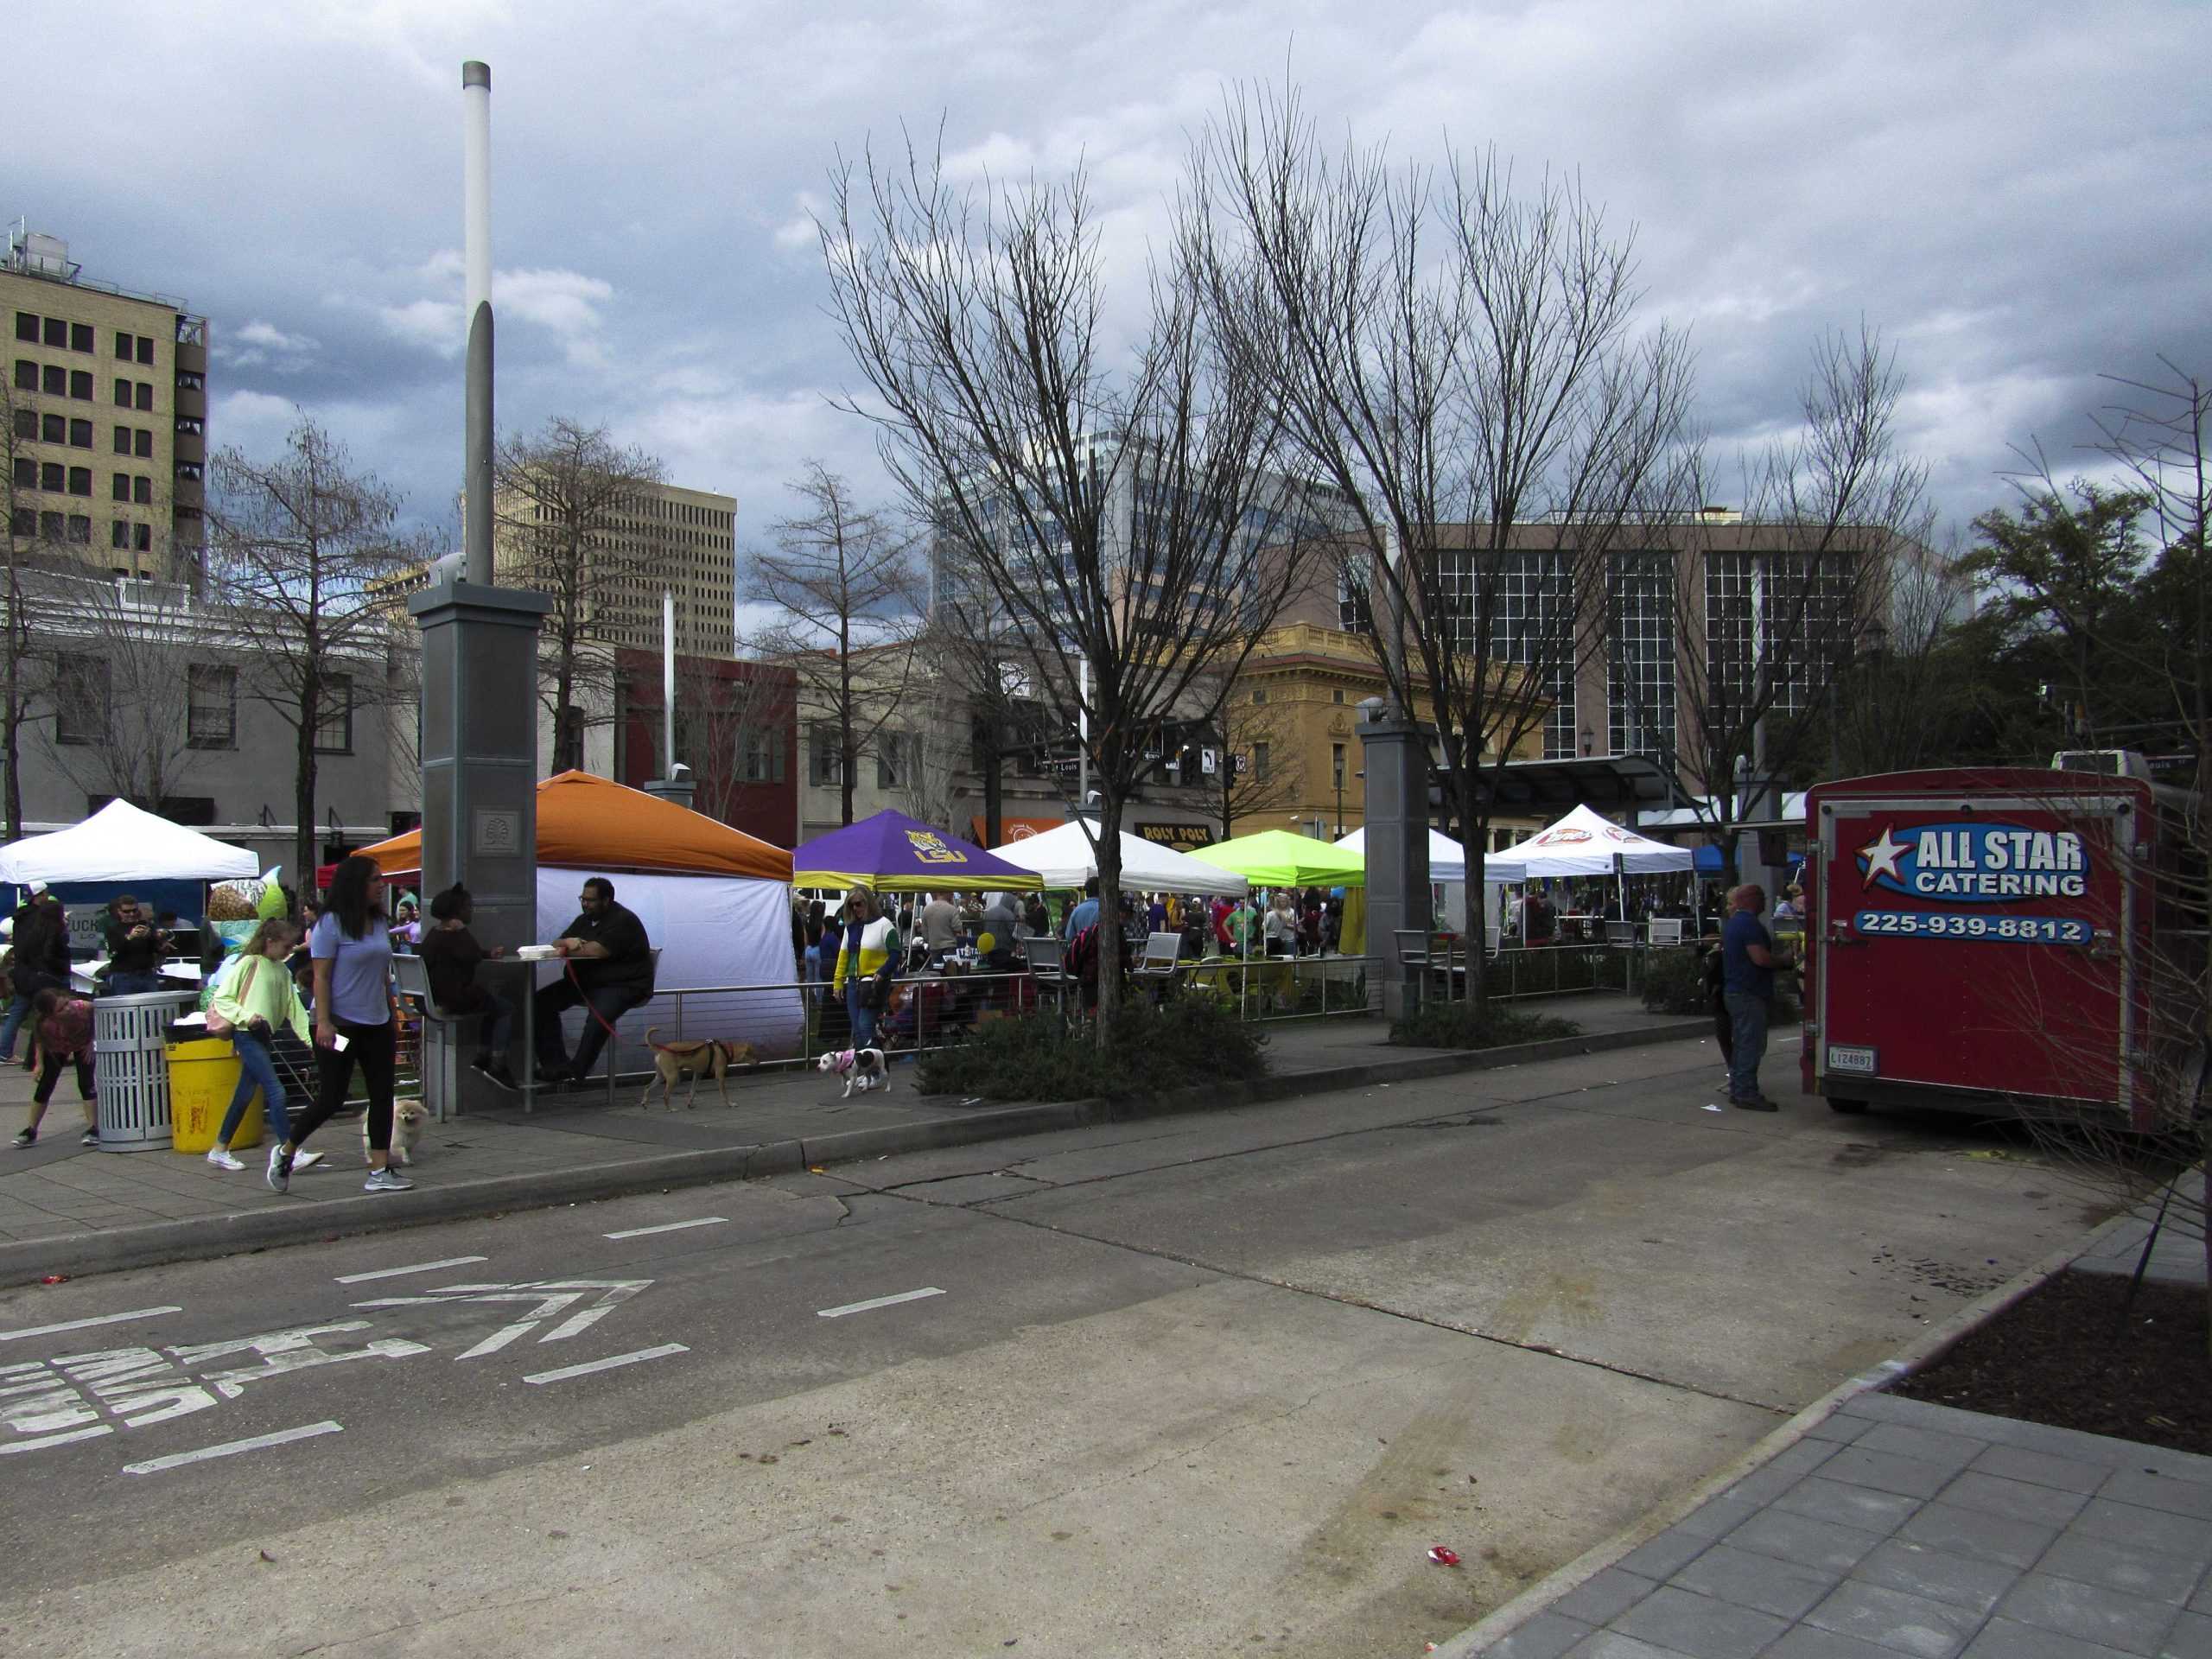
point(312, 987)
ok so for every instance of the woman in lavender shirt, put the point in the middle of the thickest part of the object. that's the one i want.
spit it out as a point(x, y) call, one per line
point(351, 948)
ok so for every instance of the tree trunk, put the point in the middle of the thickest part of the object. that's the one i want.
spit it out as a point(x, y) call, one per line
point(304, 779)
point(993, 796)
point(1110, 908)
point(11, 717)
point(1475, 830)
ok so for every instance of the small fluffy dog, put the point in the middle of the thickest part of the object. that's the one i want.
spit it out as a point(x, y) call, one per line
point(408, 1117)
point(694, 1060)
point(862, 1069)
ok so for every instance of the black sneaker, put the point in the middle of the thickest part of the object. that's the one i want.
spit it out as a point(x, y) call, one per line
point(1756, 1103)
point(29, 1137)
point(90, 1137)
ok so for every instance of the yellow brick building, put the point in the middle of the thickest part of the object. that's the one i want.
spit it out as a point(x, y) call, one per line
point(1291, 719)
point(107, 405)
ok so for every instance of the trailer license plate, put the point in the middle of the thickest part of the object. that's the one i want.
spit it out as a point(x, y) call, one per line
point(1858, 1062)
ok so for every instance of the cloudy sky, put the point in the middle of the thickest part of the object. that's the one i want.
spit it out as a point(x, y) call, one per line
point(2013, 191)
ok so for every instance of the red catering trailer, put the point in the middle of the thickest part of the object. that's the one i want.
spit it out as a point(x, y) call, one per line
point(1984, 940)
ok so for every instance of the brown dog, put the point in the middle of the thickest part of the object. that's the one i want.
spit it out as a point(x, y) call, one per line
point(705, 1058)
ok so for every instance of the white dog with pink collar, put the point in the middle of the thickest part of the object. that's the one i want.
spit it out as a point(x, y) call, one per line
point(862, 1069)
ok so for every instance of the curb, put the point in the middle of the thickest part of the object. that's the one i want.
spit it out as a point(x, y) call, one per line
point(26, 1261)
point(1501, 1622)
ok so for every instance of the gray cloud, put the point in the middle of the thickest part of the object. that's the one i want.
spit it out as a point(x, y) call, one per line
point(2011, 192)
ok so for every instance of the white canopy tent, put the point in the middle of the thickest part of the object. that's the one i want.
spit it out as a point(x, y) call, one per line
point(120, 843)
point(1583, 843)
point(1448, 858)
point(1067, 857)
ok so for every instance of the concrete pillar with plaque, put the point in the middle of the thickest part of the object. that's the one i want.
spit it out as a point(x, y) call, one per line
point(1396, 756)
point(479, 751)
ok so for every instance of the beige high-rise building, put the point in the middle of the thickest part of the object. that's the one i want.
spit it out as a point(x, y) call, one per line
point(686, 542)
point(107, 413)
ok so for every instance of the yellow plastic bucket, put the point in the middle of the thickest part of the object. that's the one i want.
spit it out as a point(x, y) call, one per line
point(202, 1078)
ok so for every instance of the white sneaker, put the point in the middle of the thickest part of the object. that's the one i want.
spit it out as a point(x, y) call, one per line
point(387, 1180)
point(305, 1161)
point(220, 1157)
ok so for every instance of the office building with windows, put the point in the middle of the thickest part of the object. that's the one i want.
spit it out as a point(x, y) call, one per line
point(106, 416)
point(666, 539)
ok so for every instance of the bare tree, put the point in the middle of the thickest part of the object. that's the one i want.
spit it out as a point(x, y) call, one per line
point(934, 756)
point(1900, 704)
point(1459, 357)
point(1258, 775)
point(34, 543)
point(1112, 500)
point(847, 580)
point(569, 521)
point(301, 544)
point(124, 660)
point(727, 717)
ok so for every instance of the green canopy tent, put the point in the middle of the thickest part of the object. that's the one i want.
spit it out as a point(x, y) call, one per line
point(1275, 858)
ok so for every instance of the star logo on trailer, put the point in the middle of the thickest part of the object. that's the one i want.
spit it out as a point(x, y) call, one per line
point(1881, 856)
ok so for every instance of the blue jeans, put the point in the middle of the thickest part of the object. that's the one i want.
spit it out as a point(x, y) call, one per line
point(256, 1070)
point(861, 1015)
point(19, 1009)
point(1747, 1012)
point(140, 984)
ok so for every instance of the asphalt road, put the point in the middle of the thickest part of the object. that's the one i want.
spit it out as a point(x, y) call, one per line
point(1160, 1388)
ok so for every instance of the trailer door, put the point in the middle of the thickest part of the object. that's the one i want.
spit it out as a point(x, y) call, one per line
point(1976, 944)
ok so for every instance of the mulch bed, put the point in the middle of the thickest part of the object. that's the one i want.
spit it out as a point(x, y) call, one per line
point(2059, 1356)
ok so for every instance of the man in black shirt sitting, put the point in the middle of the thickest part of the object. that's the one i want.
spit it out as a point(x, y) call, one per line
point(610, 971)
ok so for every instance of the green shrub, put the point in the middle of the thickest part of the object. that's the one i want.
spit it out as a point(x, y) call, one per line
point(1462, 1024)
point(1192, 1039)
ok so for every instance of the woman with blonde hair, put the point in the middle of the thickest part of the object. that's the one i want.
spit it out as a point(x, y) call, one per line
point(867, 944)
point(258, 995)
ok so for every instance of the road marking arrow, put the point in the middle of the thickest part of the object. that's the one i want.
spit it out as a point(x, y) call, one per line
point(547, 1298)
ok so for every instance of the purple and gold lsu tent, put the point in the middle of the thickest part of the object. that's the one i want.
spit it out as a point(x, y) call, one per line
point(893, 853)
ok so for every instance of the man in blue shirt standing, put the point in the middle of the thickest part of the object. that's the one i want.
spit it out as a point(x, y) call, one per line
point(1748, 963)
point(1084, 914)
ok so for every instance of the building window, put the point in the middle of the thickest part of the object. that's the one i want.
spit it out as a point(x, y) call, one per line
point(80, 336)
point(762, 762)
point(80, 435)
point(211, 715)
point(53, 380)
point(80, 385)
point(823, 760)
point(890, 767)
point(80, 528)
point(80, 695)
point(123, 394)
point(53, 429)
point(121, 491)
point(26, 326)
point(145, 350)
point(118, 535)
point(188, 381)
point(333, 725)
point(142, 537)
point(122, 440)
point(142, 491)
point(50, 526)
point(26, 424)
point(80, 480)
point(143, 444)
point(1259, 762)
point(1259, 694)
point(123, 344)
point(1336, 696)
point(145, 390)
point(25, 375)
point(26, 473)
point(1337, 764)
point(52, 475)
point(57, 332)
point(23, 521)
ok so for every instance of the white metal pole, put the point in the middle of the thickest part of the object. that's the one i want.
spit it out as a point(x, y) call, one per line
point(476, 264)
point(668, 681)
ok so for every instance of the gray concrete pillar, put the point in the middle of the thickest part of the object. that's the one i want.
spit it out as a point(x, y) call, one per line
point(1396, 759)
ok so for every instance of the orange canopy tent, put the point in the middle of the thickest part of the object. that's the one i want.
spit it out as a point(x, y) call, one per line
point(592, 823)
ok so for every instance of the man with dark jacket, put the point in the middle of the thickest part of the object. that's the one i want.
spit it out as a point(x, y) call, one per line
point(40, 940)
point(609, 970)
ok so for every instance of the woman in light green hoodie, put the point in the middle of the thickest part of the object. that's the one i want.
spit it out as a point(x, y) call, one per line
point(256, 997)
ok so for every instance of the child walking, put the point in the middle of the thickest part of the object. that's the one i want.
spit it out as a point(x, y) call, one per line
point(64, 1034)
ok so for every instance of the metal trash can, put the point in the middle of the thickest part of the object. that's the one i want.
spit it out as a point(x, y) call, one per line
point(131, 1068)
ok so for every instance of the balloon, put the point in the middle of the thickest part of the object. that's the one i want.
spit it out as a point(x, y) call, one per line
point(987, 942)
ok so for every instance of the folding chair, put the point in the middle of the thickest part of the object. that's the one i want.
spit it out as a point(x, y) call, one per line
point(1045, 958)
point(1667, 930)
point(1162, 959)
point(439, 1066)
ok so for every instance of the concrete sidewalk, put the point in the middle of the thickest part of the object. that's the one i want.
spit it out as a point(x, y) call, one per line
point(67, 1209)
point(1872, 1526)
